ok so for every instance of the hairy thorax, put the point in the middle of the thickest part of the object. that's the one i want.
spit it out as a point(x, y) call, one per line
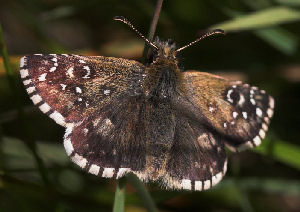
point(162, 73)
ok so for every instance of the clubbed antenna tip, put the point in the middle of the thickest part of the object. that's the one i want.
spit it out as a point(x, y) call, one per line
point(216, 31)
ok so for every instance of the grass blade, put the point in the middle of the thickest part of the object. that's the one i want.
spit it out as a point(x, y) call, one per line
point(142, 192)
point(119, 202)
point(260, 19)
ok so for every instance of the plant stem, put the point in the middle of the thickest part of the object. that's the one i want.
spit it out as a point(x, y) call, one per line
point(142, 192)
point(152, 28)
point(119, 202)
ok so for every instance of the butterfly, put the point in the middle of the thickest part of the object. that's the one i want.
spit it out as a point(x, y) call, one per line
point(156, 120)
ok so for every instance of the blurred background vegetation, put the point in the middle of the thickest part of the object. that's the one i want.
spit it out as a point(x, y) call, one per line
point(261, 47)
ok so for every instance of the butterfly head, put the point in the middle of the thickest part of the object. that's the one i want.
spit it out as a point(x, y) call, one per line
point(166, 50)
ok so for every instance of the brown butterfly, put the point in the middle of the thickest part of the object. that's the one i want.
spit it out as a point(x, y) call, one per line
point(155, 120)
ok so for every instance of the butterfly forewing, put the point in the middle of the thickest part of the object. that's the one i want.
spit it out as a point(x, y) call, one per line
point(70, 87)
point(239, 112)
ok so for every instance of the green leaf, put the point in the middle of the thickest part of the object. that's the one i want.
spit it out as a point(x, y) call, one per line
point(282, 151)
point(280, 39)
point(270, 185)
point(289, 2)
point(261, 19)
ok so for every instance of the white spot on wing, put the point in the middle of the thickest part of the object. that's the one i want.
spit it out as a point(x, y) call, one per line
point(58, 118)
point(122, 172)
point(67, 141)
point(54, 59)
point(198, 185)
point(42, 77)
point(26, 82)
point(68, 146)
point(106, 127)
point(85, 131)
point(252, 101)
point(270, 112)
point(23, 61)
point(63, 86)
point(228, 95)
point(94, 169)
point(30, 89)
point(245, 115)
point(257, 140)
point(271, 102)
point(217, 178)
point(78, 90)
point(79, 160)
point(225, 168)
point(234, 114)
point(186, 184)
point(70, 72)
point(267, 120)
point(24, 73)
point(69, 129)
point(81, 61)
point(242, 100)
point(107, 92)
point(264, 126)
point(108, 172)
point(206, 184)
point(44, 108)
point(36, 99)
point(259, 112)
point(211, 109)
point(52, 69)
point(245, 146)
point(262, 133)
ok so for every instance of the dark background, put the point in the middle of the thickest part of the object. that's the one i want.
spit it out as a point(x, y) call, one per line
point(261, 47)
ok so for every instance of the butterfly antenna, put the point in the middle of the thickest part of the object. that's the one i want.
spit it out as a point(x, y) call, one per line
point(125, 21)
point(216, 31)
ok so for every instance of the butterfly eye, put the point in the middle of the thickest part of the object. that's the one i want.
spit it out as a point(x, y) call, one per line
point(152, 56)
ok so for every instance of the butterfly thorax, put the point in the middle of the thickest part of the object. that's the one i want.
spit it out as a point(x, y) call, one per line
point(163, 71)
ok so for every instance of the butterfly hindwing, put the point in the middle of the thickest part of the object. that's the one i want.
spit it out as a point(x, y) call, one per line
point(197, 159)
point(70, 87)
point(239, 112)
point(111, 142)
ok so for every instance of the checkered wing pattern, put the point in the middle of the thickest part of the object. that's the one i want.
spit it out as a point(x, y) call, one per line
point(69, 88)
point(237, 111)
point(95, 99)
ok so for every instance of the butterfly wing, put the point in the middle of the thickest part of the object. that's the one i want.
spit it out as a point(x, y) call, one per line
point(197, 159)
point(70, 87)
point(96, 99)
point(112, 141)
point(237, 111)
